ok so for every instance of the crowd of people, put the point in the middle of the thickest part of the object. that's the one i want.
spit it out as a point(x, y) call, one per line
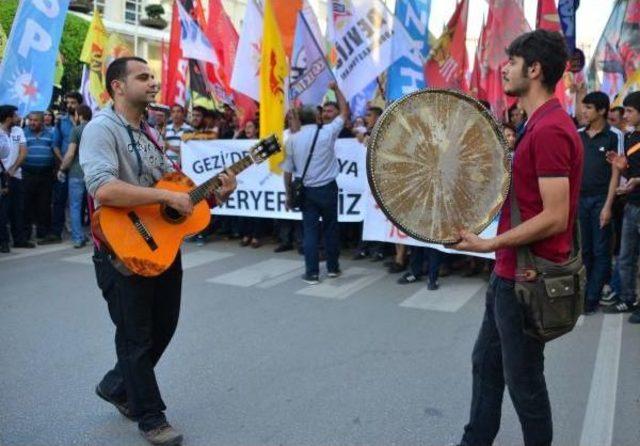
point(43, 192)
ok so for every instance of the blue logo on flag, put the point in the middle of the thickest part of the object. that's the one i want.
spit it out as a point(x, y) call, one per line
point(407, 74)
point(27, 70)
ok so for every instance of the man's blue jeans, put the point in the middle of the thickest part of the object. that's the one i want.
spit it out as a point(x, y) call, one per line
point(629, 247)
point(596, 246)
point(321, 202)
point(76, 197)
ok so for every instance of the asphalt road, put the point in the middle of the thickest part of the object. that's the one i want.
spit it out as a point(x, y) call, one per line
point(261, 358)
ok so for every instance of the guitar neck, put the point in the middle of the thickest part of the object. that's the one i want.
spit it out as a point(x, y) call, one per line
point(206, 189)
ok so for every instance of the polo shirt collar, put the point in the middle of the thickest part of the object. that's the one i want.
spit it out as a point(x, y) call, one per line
point(541, 111)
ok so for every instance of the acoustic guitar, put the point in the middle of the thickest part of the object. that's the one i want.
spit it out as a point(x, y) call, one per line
point(146, 239)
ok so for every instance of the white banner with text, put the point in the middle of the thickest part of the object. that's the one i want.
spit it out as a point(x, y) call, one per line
point(260, 192)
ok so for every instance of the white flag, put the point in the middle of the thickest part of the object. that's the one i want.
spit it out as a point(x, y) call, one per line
point(193, 42)
point(363, 35)
point(312, 21)
point(246, 68)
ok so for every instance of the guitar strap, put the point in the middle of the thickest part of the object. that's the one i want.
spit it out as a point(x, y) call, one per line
point(145, 129)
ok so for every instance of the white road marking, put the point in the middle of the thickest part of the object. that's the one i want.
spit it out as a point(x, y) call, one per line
point(351, 281)
point(283, 278)
point(597, 428)
point(580, 321)
point(84, 259)
point(23, 253)
point(190, 259)
point(193, 259)
point(450, 297)
point(264, 274)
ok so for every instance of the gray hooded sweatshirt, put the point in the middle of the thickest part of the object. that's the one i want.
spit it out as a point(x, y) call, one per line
point(107, 153)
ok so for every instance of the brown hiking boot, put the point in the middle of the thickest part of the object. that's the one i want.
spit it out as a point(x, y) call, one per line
point(163, 435)
point(122, 406)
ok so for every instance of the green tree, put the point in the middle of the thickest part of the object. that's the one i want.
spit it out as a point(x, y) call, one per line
point(73, 34)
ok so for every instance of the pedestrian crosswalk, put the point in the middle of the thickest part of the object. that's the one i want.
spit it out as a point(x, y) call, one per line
point(263, 274)
point(272, 272)
point(193, 259)
point(447, 299)
point(349, 283)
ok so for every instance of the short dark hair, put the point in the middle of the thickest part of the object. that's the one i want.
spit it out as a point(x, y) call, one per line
point(508, 125)
point(598, 99)
point(177, 105)
point(377, 110)
point(74, 95)
point(7, 111)
point(117, 70)
point(617, 109)
point(85, 112)
point(307, 115)
point(200, 109)
point(332, 104)
point(632, 100)
point(547, 48)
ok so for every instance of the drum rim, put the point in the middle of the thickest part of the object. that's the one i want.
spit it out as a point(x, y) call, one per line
point(375, 136)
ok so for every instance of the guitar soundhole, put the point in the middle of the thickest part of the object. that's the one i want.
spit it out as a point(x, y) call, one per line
point(172, 215)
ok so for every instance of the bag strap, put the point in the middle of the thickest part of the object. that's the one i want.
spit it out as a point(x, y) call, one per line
point(525, 258)
point(145, 128)
point(313, 146)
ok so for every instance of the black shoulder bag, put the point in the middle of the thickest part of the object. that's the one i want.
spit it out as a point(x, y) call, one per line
point(297, 185)
point(552, 294)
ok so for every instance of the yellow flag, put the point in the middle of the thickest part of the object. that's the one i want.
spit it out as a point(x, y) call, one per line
point(273, 71)
point(92, 54)
point(114, 48)
point(632, 84)
point(3, 41)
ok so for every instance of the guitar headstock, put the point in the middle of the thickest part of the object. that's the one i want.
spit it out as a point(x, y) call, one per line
point(265, 148)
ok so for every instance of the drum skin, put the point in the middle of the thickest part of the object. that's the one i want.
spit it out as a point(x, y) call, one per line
point(437, 163)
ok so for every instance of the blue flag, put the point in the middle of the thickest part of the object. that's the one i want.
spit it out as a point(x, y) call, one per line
point(27, 70)
point(567, 12)
point(310, 74)
point(407, 73)
point(358, 103)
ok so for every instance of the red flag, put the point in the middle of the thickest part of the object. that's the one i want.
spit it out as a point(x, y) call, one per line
point(216, 80)
point(286, 12)
point(547, 17)
point(506, 22)
point(175, 91)
point(224, 38)
point(164, 71)
point(477, 85)
point(447, 64)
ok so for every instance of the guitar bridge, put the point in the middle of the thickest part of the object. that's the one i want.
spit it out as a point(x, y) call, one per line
point(142, 230)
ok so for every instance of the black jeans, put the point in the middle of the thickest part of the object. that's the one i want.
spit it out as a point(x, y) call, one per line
point(37, 199)
point(59, 206)
point(16, 210)
point(289, 232)
point(417, 259)
point(4, 205)
point(503, 354)
point(145, 312)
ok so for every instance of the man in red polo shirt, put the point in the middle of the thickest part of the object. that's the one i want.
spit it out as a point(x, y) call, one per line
point(547, 170)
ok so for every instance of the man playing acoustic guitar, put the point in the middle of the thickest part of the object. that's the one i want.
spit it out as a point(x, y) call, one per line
point(122, 157)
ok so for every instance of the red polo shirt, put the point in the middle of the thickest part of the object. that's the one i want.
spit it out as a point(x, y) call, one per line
point(550, 147)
